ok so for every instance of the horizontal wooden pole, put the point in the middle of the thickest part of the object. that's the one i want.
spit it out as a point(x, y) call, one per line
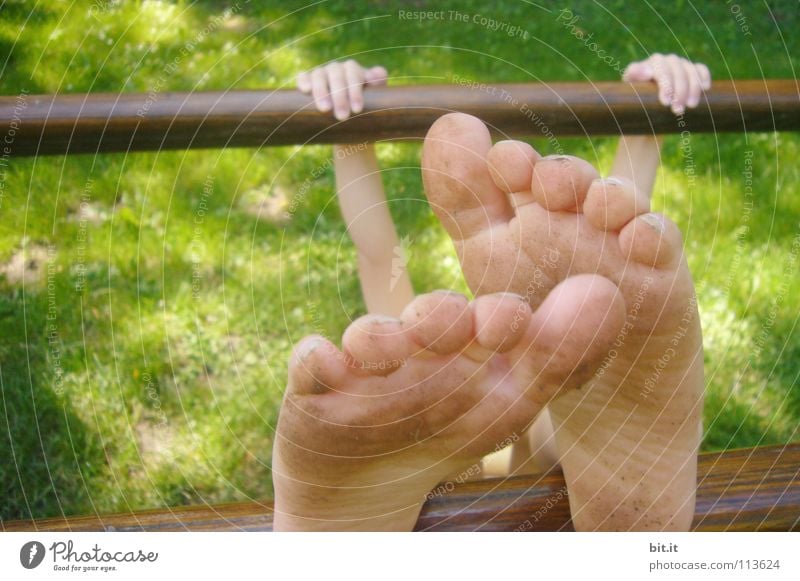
point(40, 124)
point(741, 490)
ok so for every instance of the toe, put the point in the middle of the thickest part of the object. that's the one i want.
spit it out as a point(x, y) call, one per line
point(574, 329)
point(456, 176)
point(500, 320)
point(439, 321)
point(316, 365)
point(613, 202)
point(653, 240)
point(511, 165)
point(560, 182)
point(377, 345)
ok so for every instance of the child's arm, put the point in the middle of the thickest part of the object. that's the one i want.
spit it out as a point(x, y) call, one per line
point(680, 85)
point(385, 283)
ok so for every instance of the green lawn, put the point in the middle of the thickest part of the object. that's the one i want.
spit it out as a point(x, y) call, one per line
point(146, 332)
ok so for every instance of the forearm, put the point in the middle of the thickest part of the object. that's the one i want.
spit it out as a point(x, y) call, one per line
point(638, 158)
point(382, 270)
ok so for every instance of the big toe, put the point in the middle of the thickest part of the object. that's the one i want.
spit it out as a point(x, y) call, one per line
point(574, 328)
point(456, 176)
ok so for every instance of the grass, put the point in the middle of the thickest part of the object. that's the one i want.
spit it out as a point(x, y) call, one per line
point(143, 360)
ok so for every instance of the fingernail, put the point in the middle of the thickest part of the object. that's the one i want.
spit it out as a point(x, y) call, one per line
point(357, 107)
point(678, 109)
point(693, 101)
point(324, 105)
point(342, 114)
point(613, 181)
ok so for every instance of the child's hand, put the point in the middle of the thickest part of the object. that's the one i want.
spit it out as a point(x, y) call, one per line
point(680, 82)
point(340, 85)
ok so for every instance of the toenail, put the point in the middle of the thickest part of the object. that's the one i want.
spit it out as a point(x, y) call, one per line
point(310, 347)
point(656, 221)
point(448, 293)
point(383, 319)
point(512, 296)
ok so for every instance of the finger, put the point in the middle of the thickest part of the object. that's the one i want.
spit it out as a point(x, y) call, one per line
point(338, 85)
point(663, 77)
point(680, 84)
point(639, 72)
point(376, 76)
point(693, 80)
point(319, 90)
point(705, 76)
point(354, 76)
point(304, 82)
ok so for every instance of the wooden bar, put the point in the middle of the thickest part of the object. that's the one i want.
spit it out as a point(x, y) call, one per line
point(46, 124)
point(740, 490)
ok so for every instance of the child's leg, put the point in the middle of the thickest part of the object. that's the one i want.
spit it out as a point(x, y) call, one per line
point(628, 440)
point(365, 433)
point(381, 259)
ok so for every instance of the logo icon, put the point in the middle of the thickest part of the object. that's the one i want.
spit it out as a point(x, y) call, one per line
point(31, 554)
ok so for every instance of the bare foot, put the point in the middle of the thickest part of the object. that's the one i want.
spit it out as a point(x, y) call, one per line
point(365, 434)
point(522, 223)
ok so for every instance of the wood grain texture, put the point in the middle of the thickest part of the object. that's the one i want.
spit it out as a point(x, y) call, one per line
point(42, 124)
point(741, 490)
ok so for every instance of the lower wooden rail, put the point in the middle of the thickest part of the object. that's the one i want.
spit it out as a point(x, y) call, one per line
point(754, 489)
